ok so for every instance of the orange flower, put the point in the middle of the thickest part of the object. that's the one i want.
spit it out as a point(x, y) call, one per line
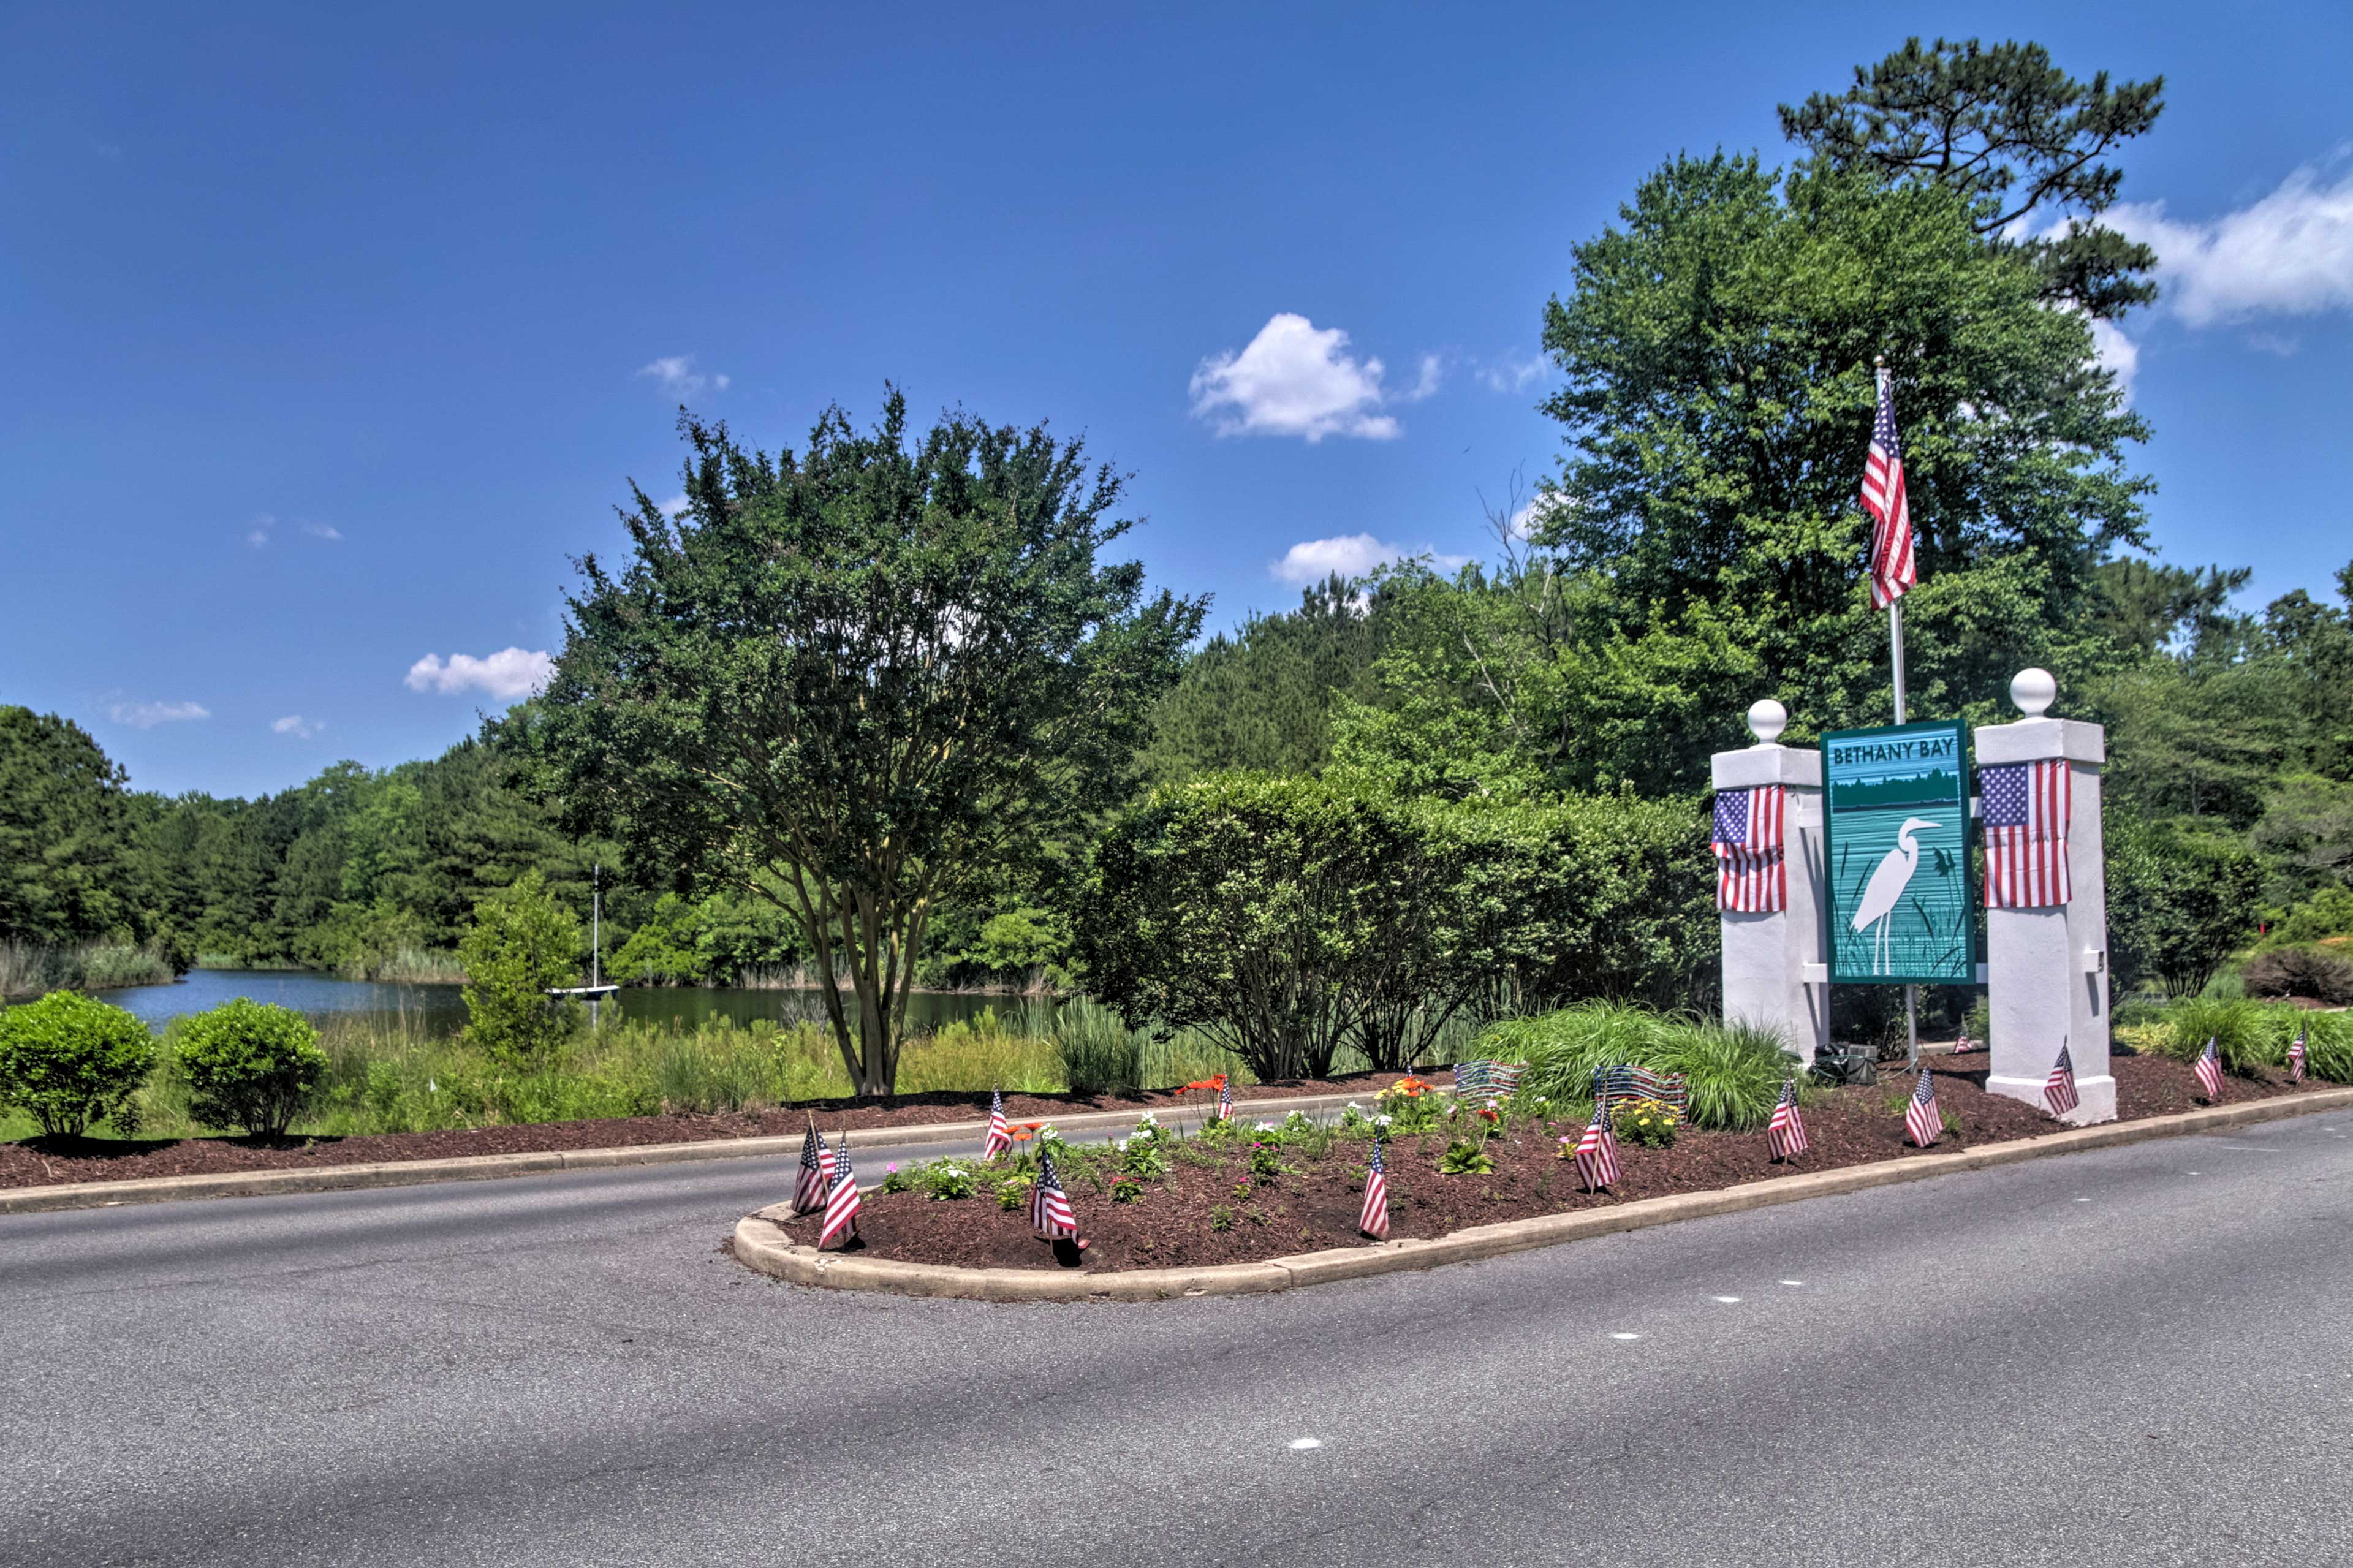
point(1022, 1135)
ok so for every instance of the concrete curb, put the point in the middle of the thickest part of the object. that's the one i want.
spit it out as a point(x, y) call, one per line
point(486, 1167)
point(760, 1244)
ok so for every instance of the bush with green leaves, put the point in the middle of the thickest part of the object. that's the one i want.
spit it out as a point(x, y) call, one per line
point(2245, 1034)
point(1733, 1072)
point(69, 1062)
point(521, 945)
point(2179, 903)
point(250, 1065)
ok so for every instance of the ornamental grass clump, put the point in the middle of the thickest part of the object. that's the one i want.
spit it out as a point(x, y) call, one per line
point(69, 1062)
point(250, 1065)
point(2246, 1035)
point(1732, 1073)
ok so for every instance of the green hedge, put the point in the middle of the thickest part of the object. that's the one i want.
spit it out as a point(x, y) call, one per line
point(69, 1062)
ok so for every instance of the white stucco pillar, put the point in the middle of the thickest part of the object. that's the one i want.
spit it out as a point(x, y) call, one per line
point(1775, 972)
point(2047, 969)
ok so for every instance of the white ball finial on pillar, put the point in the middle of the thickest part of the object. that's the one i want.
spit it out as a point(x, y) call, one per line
point(2033, 690)
point(1767, 720)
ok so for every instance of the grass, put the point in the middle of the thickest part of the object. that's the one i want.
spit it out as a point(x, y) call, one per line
point(31, 969)
point(393, 1074)
point(1733, 1072)
point(2250, 1034)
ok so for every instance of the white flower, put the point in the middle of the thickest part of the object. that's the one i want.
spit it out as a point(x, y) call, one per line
point(1266, 1126)
point(1119, 1143)
point(1141, 1133)
point(1381, 1121)
point(1355, 1106)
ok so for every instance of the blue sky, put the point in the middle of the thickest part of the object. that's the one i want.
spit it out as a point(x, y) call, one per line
point(333, 333)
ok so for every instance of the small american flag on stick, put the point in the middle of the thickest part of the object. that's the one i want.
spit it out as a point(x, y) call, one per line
point(2210, 1070)
point(1375, 1219)
point(1597, 1152)
point(816, 1173)
point(1786, 1133)
point(1893, 570)
point(2026, 806)
point(841, 1204)
point(1049, 1205)
point(1922, 1121)
point(1000, 1137)
point(1752, 874)
point(1225, 1097)
point(2295, 1057)
point(2059, 1089)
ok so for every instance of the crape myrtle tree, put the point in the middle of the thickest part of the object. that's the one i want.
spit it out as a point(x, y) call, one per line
point(860, 682)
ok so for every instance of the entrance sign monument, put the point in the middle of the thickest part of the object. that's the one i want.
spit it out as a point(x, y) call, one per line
point(1880, 887)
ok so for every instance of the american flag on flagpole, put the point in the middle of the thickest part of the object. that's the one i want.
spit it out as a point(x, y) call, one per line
point(1752, 874)
point(816, 1173)
point(841, 1204)
point(2295, 1057)
point(2059, 1089)
point(2210, 1070)
point(1049, 1205)
point(1375, 1219)
point(1597, 1152)
point(1000, 1137)
point(1893, 570)
point(2025, 807)
point(1922, 1120)
point(1786, 1133)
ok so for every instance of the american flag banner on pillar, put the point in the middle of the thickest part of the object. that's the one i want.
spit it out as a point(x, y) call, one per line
point(2295, 1054)
point(1922, 1119)
point(1375, 1219)
point(1752, 875)
point(1000, 1137)
point(2059, 1089)
point(841, 1204)
point(1893, 570)
point(2025, 807)
point(815, 1173)
point(2210, 1070)
point(1049, 1205)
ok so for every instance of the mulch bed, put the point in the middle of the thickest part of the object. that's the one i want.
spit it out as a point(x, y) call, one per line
point(1315, 1204)
point(46, 1162)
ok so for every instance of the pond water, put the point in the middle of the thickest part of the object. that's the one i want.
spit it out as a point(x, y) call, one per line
point(442, 1009)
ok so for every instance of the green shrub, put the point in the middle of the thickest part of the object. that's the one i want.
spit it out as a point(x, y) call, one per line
point(2243, 1033)
point(250, 1065)
point(67, 1061)
point(2328, 913)
point(520, 945)
point(2328, 1045)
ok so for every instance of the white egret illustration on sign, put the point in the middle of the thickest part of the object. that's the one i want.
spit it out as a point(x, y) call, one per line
point(1885, 888)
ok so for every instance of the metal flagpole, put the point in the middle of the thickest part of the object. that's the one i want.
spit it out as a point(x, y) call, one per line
point(1896, 667)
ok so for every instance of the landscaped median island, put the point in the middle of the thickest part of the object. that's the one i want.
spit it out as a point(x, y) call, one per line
point(1260, 1188)
point(46, 1162)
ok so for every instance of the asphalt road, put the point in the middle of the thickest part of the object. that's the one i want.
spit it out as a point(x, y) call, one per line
point(2142, 1356)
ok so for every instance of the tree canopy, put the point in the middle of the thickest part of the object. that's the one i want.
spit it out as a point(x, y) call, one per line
point(860, 682)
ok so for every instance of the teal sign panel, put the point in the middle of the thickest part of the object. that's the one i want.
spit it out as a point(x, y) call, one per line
point(1895, 841)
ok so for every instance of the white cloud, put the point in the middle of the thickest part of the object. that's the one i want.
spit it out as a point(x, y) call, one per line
point(1350, 554)
point(1541, 505)
point(256, 533)
point(322, 530)
point(2117, 352)
point(2290, 254)
point(294, 724)
point(147, 715)
point(1510, 375)
point(1425, 382)
point(676, 374)
point(1293, 380)
point(510, 674)
point(675, 506)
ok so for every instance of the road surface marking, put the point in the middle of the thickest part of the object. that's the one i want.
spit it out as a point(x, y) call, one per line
point(1307, 1442)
